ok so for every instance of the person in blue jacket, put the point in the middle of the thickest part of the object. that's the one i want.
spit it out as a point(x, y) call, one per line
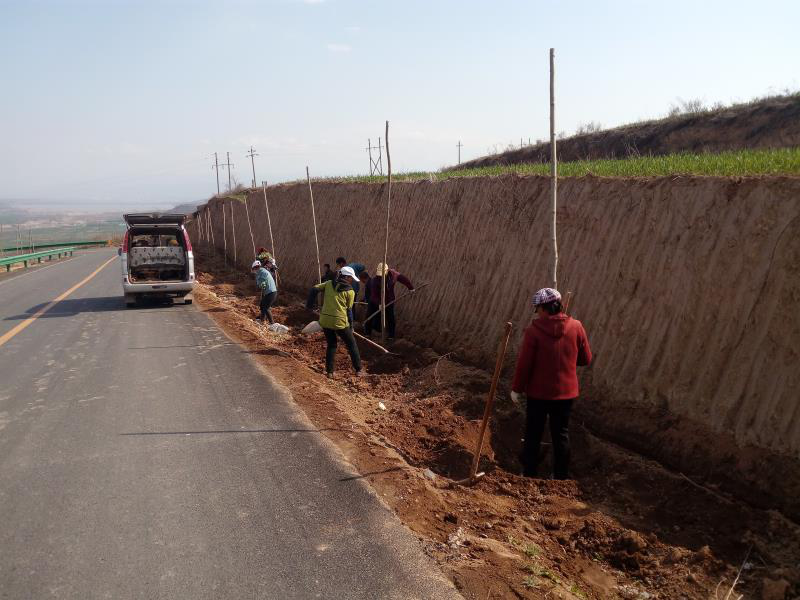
point(269, 291)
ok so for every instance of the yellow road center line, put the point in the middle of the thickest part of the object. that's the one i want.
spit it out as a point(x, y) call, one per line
point(7, 336)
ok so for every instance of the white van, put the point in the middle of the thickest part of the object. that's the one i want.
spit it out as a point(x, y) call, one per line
point(156, 257)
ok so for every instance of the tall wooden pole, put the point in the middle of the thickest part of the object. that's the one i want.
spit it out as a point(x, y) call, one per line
point(314, 218)
point(233, 235)
point(249, 226)
point(211, 228)
point(269, 222)
point(224, 235)
point(386, 241)
point(553, 165)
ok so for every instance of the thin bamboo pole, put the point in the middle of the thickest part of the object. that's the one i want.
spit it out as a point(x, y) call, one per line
point(314, 218)
point(386, 241)
point(487, 411)
point(233, 234)
point(206, 227)
point(224, 235)
point(269, 222)
point(250, 227)
point(211, 228)
point(553, 165)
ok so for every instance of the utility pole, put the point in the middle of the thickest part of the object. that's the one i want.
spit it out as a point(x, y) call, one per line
point(459, 145)
point(374, 167)
point(228, 164)
point(251, 154)
point(380, 156)
point(216, 168)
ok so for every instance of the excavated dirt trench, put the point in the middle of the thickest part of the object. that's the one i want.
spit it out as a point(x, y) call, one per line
point(626, 527)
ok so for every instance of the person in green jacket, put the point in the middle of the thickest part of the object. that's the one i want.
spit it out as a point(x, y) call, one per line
point(336, 318)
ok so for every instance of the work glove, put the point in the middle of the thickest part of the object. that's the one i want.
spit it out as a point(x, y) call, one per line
point(518, 399)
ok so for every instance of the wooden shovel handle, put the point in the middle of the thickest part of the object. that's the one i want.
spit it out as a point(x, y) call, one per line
point(498, 367)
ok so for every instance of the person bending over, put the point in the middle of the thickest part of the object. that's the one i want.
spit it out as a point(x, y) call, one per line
point(269, 291)
point(336, 318)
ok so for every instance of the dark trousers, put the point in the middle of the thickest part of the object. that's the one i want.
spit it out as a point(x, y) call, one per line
point(267, 301)
point(537, 414)
point(349, 341)
point(375, 322)
point(311, 300)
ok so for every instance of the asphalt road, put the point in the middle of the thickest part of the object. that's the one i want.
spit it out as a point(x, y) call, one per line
point(144, 455)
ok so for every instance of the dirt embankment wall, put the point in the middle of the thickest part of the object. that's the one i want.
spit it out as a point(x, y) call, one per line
point(771, 123)
point(689, 289)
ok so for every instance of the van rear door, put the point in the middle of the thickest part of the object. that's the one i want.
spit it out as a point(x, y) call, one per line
point(175, 219)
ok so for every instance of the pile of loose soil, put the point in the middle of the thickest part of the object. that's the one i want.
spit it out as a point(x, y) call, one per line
point(626, 527)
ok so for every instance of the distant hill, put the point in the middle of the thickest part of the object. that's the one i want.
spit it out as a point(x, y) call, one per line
point(767, 123)
point(186, 209)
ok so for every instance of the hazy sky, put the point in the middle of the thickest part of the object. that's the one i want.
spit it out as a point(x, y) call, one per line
point(122, 104)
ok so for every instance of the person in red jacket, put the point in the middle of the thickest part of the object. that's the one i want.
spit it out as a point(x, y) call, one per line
point(552, 348)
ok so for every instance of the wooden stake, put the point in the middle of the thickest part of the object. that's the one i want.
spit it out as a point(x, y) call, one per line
point(211, 228)
point(269, 222)
point(498, 367)
point(314, 218)
point(386, 242)
point(224, 235)
point(250, 227)
point(233, 234)
point(553, 166)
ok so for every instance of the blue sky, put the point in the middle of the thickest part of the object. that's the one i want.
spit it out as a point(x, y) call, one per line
point(122, 104)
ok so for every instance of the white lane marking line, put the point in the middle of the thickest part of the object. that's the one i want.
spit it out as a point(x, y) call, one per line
point(4, 338)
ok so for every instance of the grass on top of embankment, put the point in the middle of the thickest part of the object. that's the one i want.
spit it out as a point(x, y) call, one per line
point(735, 163)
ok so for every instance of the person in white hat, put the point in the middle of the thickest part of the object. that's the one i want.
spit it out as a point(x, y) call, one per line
point(269, 291)
point(336, 318)
point(546, 375)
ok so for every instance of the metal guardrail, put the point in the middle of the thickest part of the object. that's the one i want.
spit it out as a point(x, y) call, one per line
point(56, 245)
point(37, 256)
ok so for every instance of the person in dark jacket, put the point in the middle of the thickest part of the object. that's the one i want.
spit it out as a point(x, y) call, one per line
point(546, 375)
point(373, 295)
point(358, 269)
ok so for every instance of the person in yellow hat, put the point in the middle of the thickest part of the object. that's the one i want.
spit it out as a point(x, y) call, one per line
point(373, 294)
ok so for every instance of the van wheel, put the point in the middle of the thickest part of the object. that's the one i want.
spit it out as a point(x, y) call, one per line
point(130, 301)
